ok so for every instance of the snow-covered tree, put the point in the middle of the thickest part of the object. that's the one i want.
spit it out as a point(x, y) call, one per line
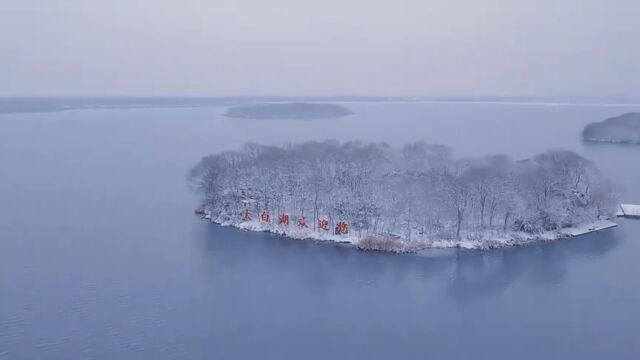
point(419, 190)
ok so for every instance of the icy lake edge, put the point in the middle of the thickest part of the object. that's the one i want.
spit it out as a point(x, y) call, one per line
point(481, 241)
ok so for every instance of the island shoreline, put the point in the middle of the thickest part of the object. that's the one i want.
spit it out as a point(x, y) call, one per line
point(511, 239)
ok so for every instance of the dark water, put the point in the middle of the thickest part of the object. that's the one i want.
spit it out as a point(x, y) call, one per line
point(102, 258)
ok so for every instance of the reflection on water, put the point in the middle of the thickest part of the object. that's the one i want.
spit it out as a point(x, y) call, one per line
point(474, 274)
point(484, 273)
point(102, 258)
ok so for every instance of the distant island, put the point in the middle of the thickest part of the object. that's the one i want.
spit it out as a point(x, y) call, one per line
point(623, 129)
point(294, 110)
point(377, 197)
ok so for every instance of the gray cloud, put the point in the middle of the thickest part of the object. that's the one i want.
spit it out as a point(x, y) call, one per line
point(287, 47)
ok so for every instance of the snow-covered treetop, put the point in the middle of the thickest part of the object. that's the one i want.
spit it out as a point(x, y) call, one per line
point(419, 189)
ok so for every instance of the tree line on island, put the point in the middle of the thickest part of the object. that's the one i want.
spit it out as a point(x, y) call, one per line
point(294, 110)
point(623, 129)
point(415, 193)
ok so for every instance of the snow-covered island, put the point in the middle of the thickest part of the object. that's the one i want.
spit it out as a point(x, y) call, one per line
point(378, 197)
point(623, 129)
point(296, 110)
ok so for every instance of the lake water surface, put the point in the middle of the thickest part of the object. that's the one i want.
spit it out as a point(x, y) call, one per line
point(101, 256)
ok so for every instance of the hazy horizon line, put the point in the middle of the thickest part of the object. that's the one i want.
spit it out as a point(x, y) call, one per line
point(409, 97)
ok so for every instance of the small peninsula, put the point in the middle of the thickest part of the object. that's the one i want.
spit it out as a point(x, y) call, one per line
point(623, 129)
point(295, 110)
point(376, 197)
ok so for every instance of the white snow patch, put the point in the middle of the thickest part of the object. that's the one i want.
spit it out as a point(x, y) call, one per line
point(630, 210)
point(588, 228)
point(479, 241)
point(290, 231)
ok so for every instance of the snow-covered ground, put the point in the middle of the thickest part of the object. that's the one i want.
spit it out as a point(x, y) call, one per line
point(291, 231)
point(588, 228)
point(478, 240)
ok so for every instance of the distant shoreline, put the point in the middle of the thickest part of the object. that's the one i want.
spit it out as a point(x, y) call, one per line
point(17, 105)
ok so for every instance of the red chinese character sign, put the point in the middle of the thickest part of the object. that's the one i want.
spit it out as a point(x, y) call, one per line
point(283, 219)
point(264, 217)
point(342, 228)
point(246, 215)
point(302, 222)
point(323, 224)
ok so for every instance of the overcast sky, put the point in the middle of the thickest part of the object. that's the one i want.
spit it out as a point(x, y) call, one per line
point(322, 47)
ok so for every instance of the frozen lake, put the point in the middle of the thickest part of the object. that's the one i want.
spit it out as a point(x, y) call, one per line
point(101, 256)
